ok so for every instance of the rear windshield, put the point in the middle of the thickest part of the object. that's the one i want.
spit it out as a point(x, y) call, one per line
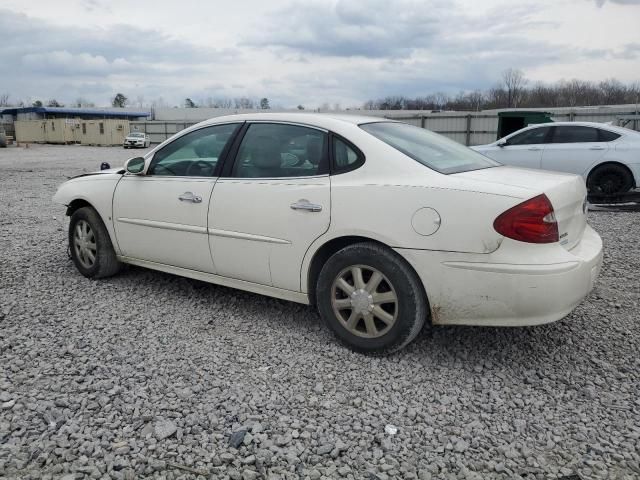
point(430, 149)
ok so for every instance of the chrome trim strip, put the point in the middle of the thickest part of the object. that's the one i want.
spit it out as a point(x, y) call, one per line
point(247, 236)
point(270, 291)
point(518, 269)
point(166, 225)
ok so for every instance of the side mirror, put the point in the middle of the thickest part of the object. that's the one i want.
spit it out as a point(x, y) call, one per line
point(134, 165)
point(502, 143)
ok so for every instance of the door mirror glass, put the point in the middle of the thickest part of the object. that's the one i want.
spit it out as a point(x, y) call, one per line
point(502, 143)
point(134, 165)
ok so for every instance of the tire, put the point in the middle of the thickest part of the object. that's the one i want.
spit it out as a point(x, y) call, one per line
point(88, 237)
point(379, 333)
point(610, 179)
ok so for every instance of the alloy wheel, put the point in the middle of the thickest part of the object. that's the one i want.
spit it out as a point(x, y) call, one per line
point(364, 301)
point(84, 244)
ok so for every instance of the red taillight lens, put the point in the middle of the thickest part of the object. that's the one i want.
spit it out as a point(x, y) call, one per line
point(532, 221)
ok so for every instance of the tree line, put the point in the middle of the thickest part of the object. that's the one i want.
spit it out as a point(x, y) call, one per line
point(515, 91)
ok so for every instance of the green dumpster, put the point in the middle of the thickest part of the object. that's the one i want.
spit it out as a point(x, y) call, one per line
point(509, 122)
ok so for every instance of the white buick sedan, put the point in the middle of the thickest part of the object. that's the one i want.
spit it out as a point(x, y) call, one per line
point(607, 157)
point(382, 225)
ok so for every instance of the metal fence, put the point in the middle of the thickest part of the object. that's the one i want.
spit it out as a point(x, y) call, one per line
point(467, 129)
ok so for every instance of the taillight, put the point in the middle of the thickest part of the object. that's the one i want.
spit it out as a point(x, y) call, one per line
point(532, 221)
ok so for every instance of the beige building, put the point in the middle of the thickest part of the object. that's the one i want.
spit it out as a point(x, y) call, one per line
point(87, 126)
point(72, 130)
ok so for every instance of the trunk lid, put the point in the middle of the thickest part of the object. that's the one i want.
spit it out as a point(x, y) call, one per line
point(567, 194)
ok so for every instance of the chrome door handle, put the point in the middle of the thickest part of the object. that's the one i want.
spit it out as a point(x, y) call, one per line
point(596, 148)
point(306, 205)
point(190, 197)
point(535, 149)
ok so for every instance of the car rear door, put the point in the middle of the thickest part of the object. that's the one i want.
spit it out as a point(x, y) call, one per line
point(573, 149)
point(271, 202)
point(161, 216)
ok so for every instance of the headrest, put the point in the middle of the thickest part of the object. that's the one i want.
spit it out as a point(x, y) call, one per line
point(206, 147)
point(265, 152)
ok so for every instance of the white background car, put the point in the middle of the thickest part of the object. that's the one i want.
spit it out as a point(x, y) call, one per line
point(382, 225)
point(136, 140)
point(607, 157)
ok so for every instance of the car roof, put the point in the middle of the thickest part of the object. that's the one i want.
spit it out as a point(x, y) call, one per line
point(603, 126)
point(325, 120)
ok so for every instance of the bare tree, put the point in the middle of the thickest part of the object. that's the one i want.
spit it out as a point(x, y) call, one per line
point(223, 103)
point(120, 100)
point(159, 103)
point(244, 102)
point(514, 83)
point(83, 102)
point(613, 91)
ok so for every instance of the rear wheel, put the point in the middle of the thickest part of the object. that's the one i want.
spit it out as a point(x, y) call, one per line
point(371, 298)
point(90, 245)
point(610, 179)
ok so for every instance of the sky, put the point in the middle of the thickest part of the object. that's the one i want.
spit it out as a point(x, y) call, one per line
point(308, 52)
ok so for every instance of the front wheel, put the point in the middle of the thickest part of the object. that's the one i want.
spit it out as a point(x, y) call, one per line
point(90, 245)
point(371, 298)
point(609, 179)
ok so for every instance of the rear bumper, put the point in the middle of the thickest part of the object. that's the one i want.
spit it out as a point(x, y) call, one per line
point(492, 290)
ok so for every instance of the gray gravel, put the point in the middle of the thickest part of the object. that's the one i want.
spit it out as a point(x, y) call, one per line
point(151, 375)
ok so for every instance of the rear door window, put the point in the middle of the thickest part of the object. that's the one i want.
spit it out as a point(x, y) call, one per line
point(574, 134)
point(272, 150)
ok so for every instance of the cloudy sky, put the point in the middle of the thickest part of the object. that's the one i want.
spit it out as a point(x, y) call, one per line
point(305, 52)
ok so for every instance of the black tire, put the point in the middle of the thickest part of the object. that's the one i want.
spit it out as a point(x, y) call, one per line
point(609, 179)
point(105, 262)
point(410, 309)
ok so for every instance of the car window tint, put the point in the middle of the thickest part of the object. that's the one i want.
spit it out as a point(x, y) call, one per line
point(430, 149)
point(344, 156)
point(607, 136)
point(194, 154)
point(574, 134)
point(530, 137)
point(271, 150)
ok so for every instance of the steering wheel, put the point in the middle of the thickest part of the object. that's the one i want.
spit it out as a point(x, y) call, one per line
point(205, 169)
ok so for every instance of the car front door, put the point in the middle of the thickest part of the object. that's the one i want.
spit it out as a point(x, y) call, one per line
point(161, 216)
point(522, 149)
point(270, 204)
point(573, 149)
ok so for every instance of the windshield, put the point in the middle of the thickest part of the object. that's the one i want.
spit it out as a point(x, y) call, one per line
point(430, 149)
point(136, 134)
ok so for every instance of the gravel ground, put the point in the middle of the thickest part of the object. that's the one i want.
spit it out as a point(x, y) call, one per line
point(150, 375)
